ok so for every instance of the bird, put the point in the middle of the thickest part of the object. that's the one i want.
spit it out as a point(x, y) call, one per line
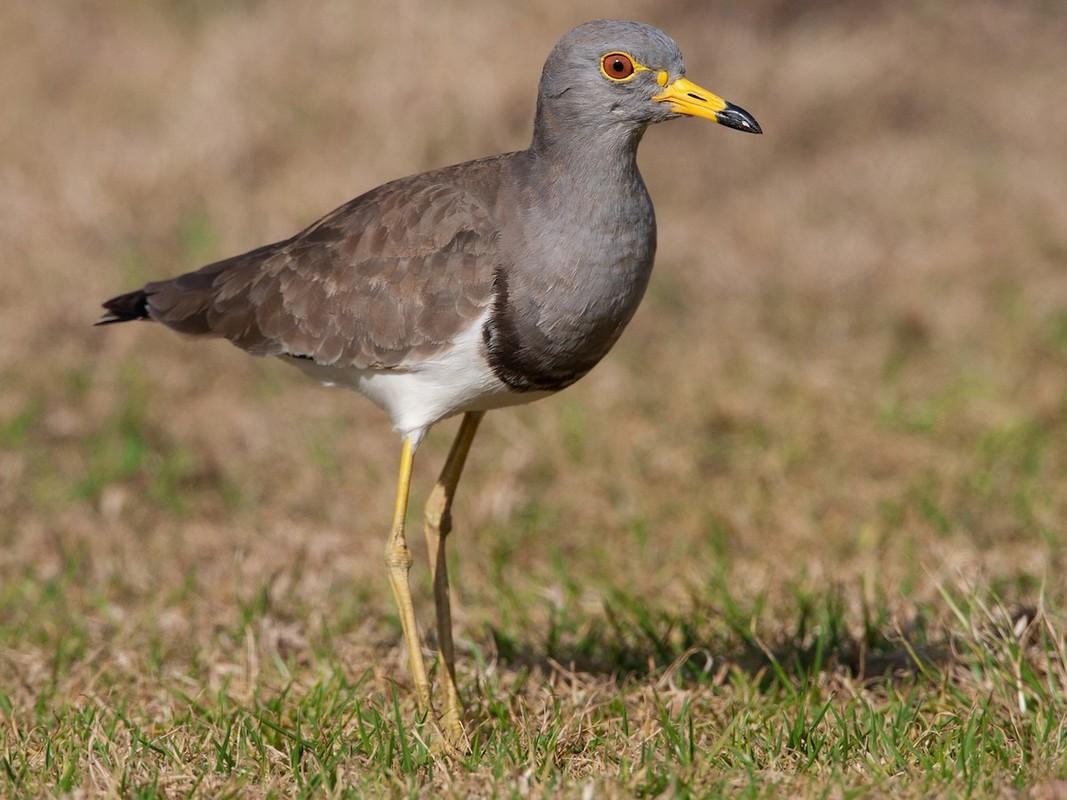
point(467, 288)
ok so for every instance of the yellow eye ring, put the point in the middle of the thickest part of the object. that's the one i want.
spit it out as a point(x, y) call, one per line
point(622, 67)
point(619, 67)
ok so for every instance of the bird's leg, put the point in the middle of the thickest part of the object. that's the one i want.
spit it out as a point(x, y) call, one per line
point(398, 560)
point(438, 517)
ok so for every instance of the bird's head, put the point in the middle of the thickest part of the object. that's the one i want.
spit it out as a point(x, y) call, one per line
point(610, 74)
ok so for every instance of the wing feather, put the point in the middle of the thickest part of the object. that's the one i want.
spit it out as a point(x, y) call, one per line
point(389, 278)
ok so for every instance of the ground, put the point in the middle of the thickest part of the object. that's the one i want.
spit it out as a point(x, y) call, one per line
point(801, 534)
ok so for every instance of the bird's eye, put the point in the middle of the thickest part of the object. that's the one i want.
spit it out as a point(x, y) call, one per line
point(617, 66)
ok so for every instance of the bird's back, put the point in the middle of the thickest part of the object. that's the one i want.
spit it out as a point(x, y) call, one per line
point(385, 280)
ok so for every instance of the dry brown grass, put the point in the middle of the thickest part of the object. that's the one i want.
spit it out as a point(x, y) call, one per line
point(849, 377)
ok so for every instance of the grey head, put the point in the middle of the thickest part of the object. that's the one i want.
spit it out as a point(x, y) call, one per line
point(614, 78)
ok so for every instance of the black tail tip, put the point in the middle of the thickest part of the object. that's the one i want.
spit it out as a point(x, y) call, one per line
point(125, 307)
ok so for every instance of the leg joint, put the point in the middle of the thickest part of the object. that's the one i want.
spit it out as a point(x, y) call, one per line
point(398, 557)
point(438, 511)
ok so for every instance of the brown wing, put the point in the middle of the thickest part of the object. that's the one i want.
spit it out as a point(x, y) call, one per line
point(390, 276)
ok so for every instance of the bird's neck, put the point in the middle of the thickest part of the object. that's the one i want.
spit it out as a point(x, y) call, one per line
point(563, 146)
point(586, 177)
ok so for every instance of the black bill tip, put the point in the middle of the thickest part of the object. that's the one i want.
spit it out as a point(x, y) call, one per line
point(737, 118)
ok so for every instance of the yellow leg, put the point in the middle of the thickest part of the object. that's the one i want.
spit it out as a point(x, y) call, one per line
point(438, 517)
point(398, 560)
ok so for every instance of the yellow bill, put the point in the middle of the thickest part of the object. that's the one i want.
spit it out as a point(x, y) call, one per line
point(685, 97)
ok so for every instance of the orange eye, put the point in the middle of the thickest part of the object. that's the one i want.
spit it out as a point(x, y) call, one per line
point(617, 66)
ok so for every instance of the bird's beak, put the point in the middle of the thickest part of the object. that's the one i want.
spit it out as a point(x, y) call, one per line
point(685, 97)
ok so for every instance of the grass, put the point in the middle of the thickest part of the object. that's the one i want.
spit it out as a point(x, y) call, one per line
point(801, 534)
point(713, 698)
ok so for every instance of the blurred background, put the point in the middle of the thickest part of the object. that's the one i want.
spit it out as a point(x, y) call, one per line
point(850, 369)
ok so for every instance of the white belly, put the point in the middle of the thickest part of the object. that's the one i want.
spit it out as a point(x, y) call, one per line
point(417, 395)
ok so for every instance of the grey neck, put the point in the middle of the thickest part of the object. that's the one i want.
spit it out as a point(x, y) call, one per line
point(569, 145)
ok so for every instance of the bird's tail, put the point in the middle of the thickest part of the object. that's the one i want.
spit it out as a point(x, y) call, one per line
point(133, 305)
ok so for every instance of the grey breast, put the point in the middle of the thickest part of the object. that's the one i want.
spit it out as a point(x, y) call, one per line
point(577, 253)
